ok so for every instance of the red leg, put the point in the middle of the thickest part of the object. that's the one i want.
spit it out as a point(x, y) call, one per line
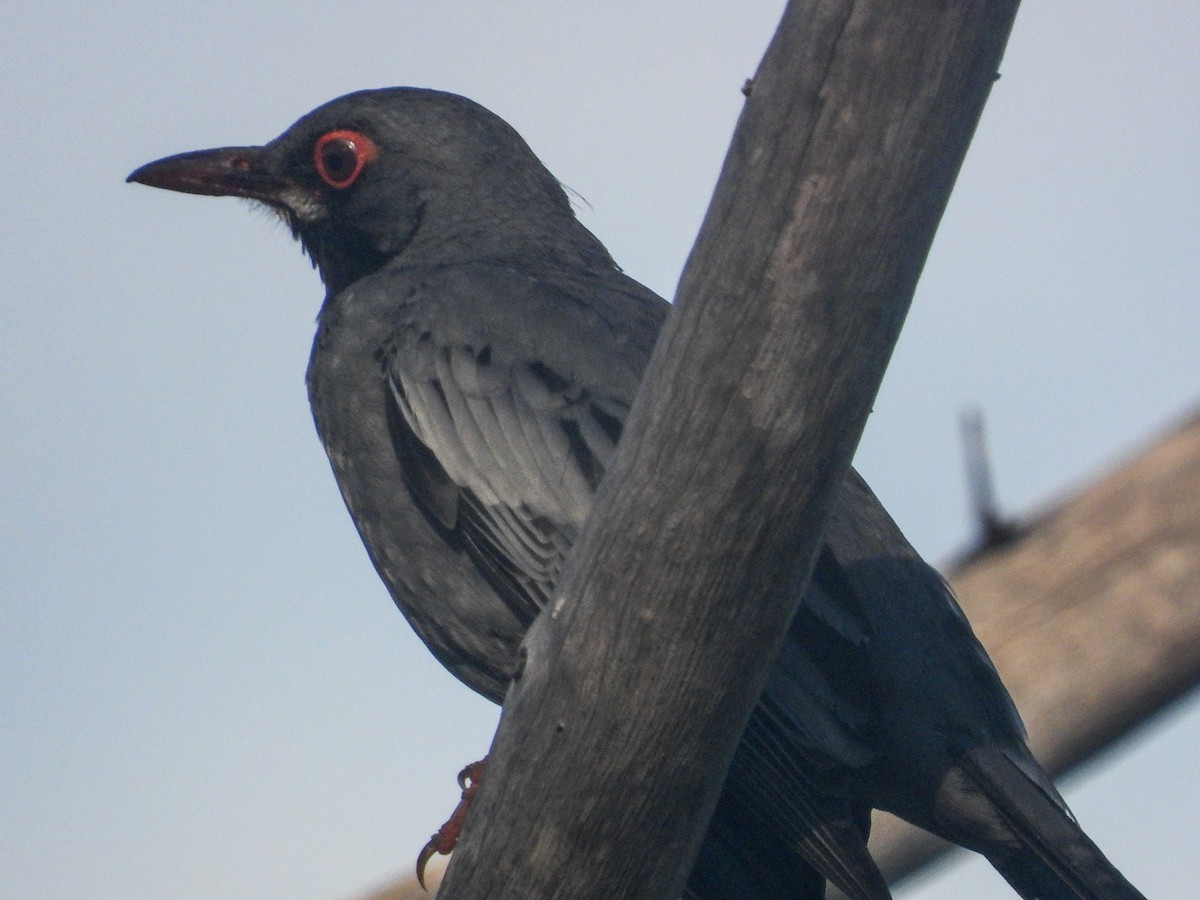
point(446, 837)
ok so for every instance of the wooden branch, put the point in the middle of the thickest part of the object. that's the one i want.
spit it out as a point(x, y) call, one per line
point(1092, 617)
point(638, 680)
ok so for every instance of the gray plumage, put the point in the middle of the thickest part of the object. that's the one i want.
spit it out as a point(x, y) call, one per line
point(475, 358)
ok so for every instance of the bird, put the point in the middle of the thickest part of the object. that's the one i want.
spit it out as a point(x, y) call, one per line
point(475, 357)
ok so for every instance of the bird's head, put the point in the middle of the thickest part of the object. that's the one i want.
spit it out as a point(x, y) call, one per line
point(371, 175)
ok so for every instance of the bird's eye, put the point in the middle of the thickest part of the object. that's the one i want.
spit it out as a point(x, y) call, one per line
point(340, 156)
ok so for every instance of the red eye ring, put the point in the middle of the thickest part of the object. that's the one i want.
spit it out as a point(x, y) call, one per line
point(339, 157)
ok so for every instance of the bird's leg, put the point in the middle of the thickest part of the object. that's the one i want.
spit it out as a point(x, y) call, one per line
point(446, 837)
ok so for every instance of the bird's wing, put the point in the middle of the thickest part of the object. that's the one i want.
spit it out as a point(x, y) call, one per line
point(953, 756)
point(512, 455)
point(788, 778)
point(502, 434)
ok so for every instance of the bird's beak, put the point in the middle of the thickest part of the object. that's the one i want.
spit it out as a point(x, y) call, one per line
point(224, 172)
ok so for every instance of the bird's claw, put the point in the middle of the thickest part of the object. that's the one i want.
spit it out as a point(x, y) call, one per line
point(426, 854)
point(446, 837)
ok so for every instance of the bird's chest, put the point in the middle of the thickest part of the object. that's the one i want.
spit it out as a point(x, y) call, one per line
point(346, 385)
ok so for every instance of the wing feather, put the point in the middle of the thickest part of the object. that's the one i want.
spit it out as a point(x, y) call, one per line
point(525, 447)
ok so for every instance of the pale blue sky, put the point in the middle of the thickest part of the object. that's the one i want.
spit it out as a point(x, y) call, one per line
point(205, 692)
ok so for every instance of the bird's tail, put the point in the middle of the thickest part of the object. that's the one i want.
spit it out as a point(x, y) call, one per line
point(837, 851)
point(1047, 855)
